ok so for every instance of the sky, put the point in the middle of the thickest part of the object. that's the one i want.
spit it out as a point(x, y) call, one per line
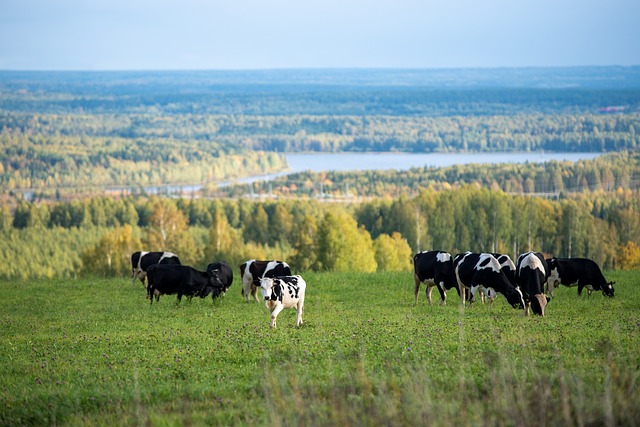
point(274, 34)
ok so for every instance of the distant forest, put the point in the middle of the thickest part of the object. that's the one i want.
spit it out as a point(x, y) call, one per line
point(78, 132)
point(71, 139)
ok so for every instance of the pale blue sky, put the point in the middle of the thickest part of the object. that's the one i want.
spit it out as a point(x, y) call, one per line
point(254, 34)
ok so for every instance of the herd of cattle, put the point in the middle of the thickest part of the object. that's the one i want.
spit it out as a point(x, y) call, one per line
point(523, 284)
point(165, 275)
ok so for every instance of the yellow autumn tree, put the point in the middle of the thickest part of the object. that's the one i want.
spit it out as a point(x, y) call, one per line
point(629, 256)
point(111, 256)
point(169, 231)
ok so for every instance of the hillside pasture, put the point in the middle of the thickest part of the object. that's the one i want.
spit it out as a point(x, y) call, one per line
point(93, 351)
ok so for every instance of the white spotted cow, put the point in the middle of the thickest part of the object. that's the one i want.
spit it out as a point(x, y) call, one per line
point(481, 271)
point(252, 271)
point(434, 268)
point(141, 261)
point(583, 272)
point(532, 273)
point(283, 292)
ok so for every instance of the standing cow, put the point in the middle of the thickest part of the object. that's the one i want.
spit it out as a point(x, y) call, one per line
point(583, 272)
point(181, 280)
point(481, 271)
point(532, 273)
point(283, 292)
point(252, 271)
point(434, 268)
point(222, 274)
point(140, 262)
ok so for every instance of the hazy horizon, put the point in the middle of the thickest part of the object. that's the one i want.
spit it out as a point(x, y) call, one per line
point(145, 35)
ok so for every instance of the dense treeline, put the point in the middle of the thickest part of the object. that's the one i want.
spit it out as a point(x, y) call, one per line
point(98, 235)
point(64, 163)
point(43, 152)
point(608, 172)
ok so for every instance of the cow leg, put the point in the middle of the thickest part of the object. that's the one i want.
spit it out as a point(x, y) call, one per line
point(427, 291)
point(528, 305)
point(246, 291)
point(300, 309)
point(274, 313)
point(474, 292)
point(254, 293)
point(550, 288)
point(443, 293)
point(416, 287)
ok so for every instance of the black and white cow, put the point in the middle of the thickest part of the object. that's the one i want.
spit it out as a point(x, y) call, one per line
point(583, 272)
point(507, 267)
point(140, 262)
point(532, 273)
point(181, 280)
point(252, 271)
point(283, 292)
point(481, 271)
point(434, 268)
point(222, 274)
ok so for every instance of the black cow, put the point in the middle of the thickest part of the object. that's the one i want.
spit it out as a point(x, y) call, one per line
point(182, 280)
point(434, 268)
point(532, 273)
point(476, 271)
point(140, 262)
point(253, 271)
point(222, 274)
point(581, 271)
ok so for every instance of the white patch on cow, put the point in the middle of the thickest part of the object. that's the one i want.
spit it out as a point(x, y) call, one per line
point(443, 257)
point(492, 263)
point(531, 261)
point(166, 255)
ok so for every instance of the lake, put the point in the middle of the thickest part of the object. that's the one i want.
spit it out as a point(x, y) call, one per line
point(324, 162)
point(319, 162)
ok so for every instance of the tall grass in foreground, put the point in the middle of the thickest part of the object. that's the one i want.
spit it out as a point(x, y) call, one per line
point(93, 352)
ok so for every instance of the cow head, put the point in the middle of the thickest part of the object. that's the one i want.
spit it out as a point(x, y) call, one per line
point(538, 303)
point(607, 289)
point(216, 281)
point(269, 289)
point(515, 298)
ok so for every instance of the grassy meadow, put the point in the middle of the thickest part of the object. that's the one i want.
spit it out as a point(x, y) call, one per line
point(93, 351)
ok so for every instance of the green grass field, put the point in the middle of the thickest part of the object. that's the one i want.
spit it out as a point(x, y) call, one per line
point(94, 352)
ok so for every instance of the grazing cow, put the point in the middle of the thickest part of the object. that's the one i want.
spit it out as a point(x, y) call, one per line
point(182, 280)
point(140, 262)
point(252, 271)
point(283, 292)
point(476, 271)
point(434, 268)
point(531, 274)
point(222, 274)
point(581, 271)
